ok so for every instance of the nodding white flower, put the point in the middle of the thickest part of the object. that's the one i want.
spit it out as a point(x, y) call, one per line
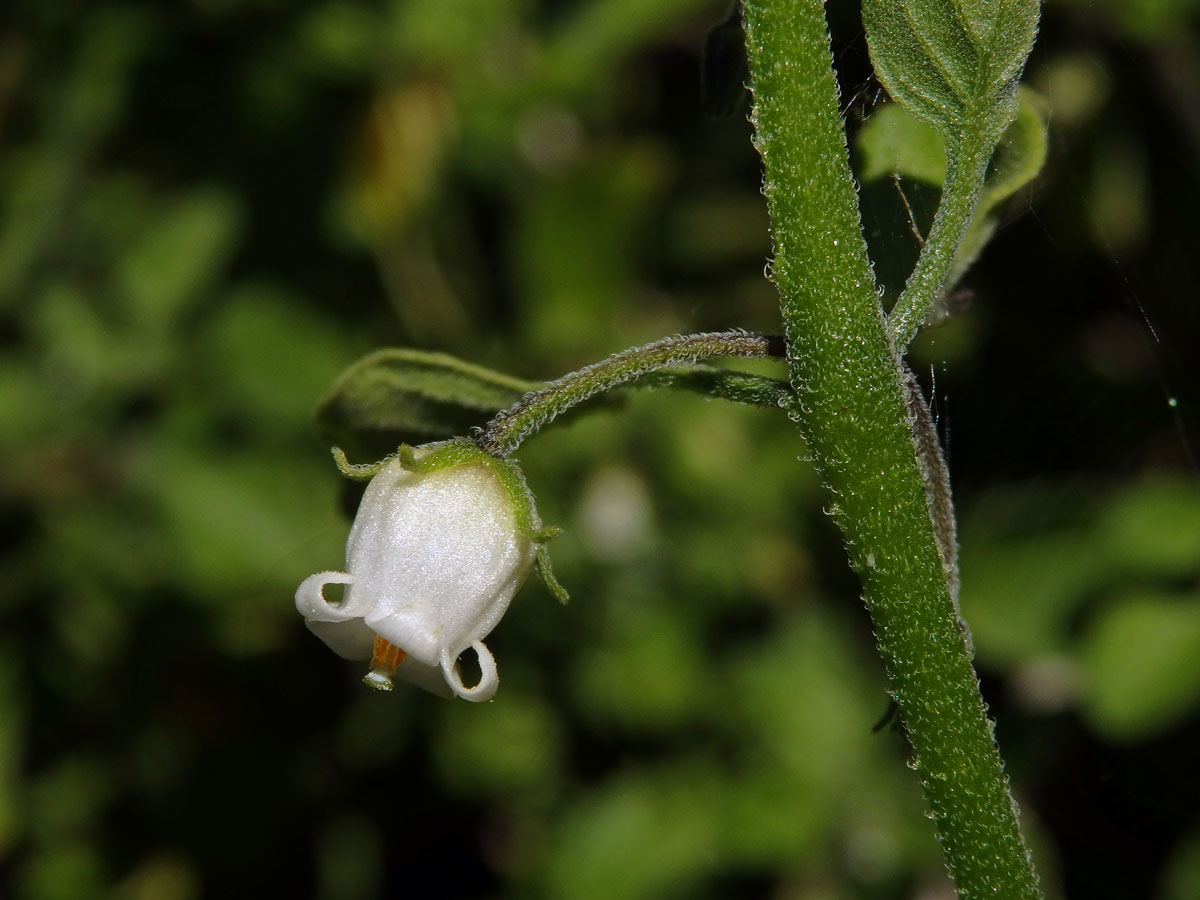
point(443, 539)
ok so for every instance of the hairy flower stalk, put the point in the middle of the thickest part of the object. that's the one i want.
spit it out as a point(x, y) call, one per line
point(503, 434)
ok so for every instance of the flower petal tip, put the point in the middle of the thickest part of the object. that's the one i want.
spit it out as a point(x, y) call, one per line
point(489, 678)
point(310, 597)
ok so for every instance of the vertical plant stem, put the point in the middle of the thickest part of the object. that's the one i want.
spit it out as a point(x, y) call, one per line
point(855, 417)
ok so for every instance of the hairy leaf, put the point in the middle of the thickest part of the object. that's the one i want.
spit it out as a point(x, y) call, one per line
point(953, 63)
point(402, 395)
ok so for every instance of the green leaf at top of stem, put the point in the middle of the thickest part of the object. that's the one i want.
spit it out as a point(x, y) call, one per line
point(954, 64)
point(894, 142)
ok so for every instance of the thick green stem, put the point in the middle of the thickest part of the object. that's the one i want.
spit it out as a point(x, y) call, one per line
point(504, 433)
point(852, 406)
point(966, 164)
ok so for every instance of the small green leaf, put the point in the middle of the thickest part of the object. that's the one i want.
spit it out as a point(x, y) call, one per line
point(400, 395)
point(1019, 594)
point(1020, 154)
point(894, 142)
point(953, 63)
point(1141, 665)
point(181, 252)
point(1153, 528)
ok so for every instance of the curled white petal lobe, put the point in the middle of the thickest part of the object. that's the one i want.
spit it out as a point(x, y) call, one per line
point(311, 602)
point(337, 624)
point(489, 679)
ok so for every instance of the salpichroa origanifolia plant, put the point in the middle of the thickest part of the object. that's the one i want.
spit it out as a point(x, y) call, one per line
point(448, 532)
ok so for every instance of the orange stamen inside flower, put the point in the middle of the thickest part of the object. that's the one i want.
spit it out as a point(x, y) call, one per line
point(386, 656)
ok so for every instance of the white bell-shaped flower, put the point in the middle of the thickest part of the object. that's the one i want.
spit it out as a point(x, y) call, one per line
point(434, 558)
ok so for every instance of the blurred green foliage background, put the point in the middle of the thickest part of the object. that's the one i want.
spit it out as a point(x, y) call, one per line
point(210, 208)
